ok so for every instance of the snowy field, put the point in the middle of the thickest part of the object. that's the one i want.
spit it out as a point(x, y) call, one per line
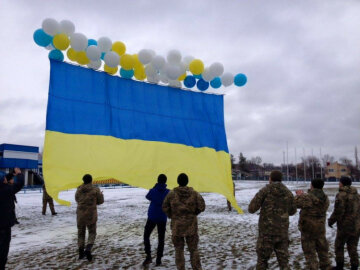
point(227, 239)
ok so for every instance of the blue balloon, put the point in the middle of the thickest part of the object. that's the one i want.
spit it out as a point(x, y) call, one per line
point(102, 55)
point(56, 55)
point(92, 42)
point(199, 76)
point(189, 81)
point(41, 38)
point(240, 79)
point(127, 74)
point(215, 83)
point(202, 85)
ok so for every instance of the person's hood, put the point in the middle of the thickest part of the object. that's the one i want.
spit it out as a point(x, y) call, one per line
point(319, 196)
point(348, 189)
point(183, 192)
point(160, 187)
point(85, 188)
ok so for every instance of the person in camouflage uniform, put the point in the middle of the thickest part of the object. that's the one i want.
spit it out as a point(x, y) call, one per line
point(312, 221)
point(346, 216)
point(87, 197)
point(276, 204)
point(182, 205)
point(47, 199)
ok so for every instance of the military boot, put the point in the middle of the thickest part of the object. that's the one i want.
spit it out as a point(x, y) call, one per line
point(88, 252)
point(158, 261)
point(81, 253)
point(148, 260)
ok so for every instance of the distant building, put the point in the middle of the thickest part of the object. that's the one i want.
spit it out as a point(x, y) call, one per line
point(336, 170)
point(24, 157)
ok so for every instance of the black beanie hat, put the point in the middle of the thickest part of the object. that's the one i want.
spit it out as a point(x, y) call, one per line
point(182, 180)
point(87, 178)
point(317, 183)
point(346, 181)
point(162, 179)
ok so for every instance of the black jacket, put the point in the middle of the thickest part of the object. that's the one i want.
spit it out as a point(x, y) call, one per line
point(7, 206)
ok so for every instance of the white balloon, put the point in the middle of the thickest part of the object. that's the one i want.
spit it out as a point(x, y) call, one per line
point(67, 27)
point(227, 79)
point(217, 69)
point(153, 79)
point(95, 64)
point(207, 75)
point(93, 53)
point(158, 62)
point(78, 42)
point(175, 83)
point(104, 44)
point(163, 78)
point(174, 57)
point(153, 53)
point(186, 61)
point(112, 59)
point(173, 71)
point(145, 56)
point(150, 71)
point(50, 26)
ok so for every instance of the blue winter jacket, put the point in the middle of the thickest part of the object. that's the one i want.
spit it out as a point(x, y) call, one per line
point(156, 196)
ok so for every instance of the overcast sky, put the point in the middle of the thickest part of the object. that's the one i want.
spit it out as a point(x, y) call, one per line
point(302, 59)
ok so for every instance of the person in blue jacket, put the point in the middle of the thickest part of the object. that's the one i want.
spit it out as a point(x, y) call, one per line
point(156, 218)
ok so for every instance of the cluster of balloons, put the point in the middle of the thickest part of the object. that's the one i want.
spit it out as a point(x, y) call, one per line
point(174, 70)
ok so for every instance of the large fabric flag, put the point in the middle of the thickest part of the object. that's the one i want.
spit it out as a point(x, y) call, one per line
point(132, 131)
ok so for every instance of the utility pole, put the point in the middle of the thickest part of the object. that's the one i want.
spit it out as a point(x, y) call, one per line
point(321, 171)
point(283, 167)
point(287, 161)
point(312, 162)
point(356, 158)
point(296, 173)
point(304, 165)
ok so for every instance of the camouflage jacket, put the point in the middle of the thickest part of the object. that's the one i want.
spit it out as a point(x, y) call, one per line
point(313, 207)
point(46, 196)
point(182, 205)
point(87, 197)
point(276, 204)
point(346, 210)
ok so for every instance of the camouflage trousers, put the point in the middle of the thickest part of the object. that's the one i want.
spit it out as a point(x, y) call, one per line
point(51, 205)
point(266, 244)
point(192, 243)
point(315, 247)
point(81, 235)
point(351, 242)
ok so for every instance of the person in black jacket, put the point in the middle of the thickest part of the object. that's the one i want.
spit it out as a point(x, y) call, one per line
point(156, 218)
point(7, 214)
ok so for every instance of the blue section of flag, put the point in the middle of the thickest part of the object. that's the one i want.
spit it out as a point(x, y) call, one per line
point(83, 101)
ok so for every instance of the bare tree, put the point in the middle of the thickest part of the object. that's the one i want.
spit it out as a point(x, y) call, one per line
point(256, 160)
point(346, 161)
point(327, 159)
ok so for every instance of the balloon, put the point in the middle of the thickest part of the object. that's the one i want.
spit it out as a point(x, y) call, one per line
point(127, 61)
point(158, 62)
point(71, 54)
point(92, 42)
point(198, 76)
point(137, 61)
point(145, 56)
point(206, 75)
point(196, 66)
point(41, 38)
point(104, 44)
point(216, 82)
point(78, 41)
point(164, 78)
point(50, 26)
point(173, 71)
point(174, 57)
point(61, 41)
point(153, 79)
point(127, 74)
point(189, 81)
point(175, 83)
point(182, 77)
point(139, 73)
point(81, 58)
point(56, 55)
point(202, 85)
point(150, 71)
point(67, 27)
point(119, 47)
point(240, 79)
point(216, 69)
point(102, 55)
point(95, 64)
point(93, 53)
point(110, 70)
point(227, 79)
point(186, 60)
point(112, 59)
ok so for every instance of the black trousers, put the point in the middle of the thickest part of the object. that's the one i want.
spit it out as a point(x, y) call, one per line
point(5, 238)
point(161, 228)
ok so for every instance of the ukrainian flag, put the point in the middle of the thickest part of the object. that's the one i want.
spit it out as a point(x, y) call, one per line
point(132, 131)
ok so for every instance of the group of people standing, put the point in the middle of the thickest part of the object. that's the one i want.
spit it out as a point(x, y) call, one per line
point(277, 203)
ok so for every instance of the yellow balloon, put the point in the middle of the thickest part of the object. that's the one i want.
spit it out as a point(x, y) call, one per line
point(139, 73)
point(127, 61)
point(182, 77)
point(61, 41)
point(196, 67)
point(119, 47)
point(71, 54)
point(110, 70)
point(137, 61)
point(81, 58)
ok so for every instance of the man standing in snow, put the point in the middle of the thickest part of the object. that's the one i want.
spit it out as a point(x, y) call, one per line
point(312, 221)
point(7, 213)
point(87, 197)
point(182, 205)
point(276, 204)
point(47, 199)
point(156, 218)
point(346, 217)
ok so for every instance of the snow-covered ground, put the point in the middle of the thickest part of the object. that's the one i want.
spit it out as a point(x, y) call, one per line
point(227, 239)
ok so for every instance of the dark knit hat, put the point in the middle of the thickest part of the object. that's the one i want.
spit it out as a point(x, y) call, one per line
point(317, 183)
point(276, 176)
point(182, 180)
point(345, 180)
point(162, 179)
point(87, 178)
